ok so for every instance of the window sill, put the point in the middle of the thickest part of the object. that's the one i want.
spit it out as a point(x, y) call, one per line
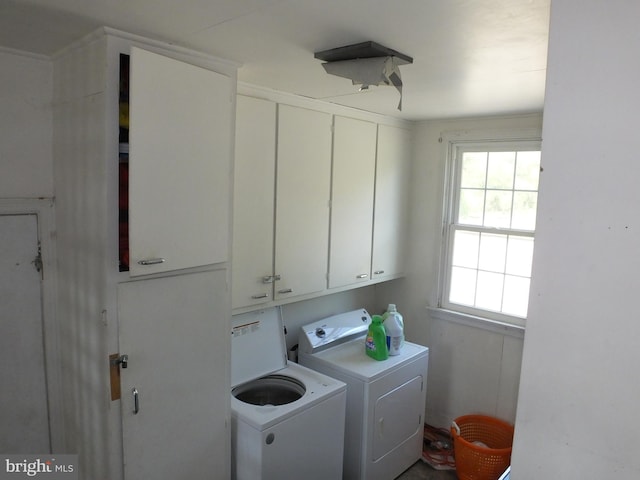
point(494, 326)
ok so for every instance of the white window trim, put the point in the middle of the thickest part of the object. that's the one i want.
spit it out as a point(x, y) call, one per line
point(482, 323)
point(449, 141)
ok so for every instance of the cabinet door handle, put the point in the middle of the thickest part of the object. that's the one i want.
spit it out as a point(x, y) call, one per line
point(270, 278)
point(136, 401)
point(285, 290)
point(378, 272)
point(362, 275)
point(151, 261)
point(260, 295)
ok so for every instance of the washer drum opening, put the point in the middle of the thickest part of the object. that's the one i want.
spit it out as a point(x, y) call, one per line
point(270, 390)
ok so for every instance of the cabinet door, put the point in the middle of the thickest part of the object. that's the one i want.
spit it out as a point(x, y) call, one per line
point(180, 161)
point(176, 388)
point(354, 161)
point(302, 201)
point(391, 202)
point(253, 201)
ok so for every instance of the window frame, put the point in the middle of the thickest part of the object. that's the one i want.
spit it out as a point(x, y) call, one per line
point(453, 144)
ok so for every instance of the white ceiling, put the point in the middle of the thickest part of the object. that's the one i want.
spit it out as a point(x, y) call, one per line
point(471, 57)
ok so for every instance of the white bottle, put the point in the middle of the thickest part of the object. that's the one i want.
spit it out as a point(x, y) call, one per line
point(394, 327)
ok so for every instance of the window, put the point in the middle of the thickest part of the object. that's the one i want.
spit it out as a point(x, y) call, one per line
point(489, 228)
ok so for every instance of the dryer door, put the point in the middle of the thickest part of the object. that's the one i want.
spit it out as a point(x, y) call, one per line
point(397, 416)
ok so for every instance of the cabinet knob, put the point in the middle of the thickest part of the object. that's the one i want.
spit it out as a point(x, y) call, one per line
point(285, 290)
point(378, 272)
point(362, 275)
point(259, 295)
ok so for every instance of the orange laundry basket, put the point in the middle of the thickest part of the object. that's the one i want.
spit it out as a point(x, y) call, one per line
point(481, 447)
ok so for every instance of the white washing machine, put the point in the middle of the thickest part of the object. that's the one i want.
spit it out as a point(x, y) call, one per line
point(287, 421)
point(385, 399)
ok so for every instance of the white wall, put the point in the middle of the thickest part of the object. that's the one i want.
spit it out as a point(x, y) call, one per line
point(578, 410)
point(26, 126)
point(471, 369)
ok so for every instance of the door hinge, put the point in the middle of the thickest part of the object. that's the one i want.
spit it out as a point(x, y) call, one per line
point(37, 262)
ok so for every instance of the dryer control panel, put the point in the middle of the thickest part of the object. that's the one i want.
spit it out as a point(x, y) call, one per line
point(333, 330)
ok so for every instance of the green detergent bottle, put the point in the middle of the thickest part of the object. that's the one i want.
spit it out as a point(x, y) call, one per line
point(376, 342)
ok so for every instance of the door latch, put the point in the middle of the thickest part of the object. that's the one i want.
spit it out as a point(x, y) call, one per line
point(122, 360)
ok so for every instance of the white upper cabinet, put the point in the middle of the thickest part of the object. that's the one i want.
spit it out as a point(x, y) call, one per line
point(302, 201)
point(320, 202)
point(391, 202)
point(179, 164)
point(253, 202)
point(352, 192)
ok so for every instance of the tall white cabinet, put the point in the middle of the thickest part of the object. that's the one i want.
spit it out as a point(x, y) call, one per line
point(170, 310)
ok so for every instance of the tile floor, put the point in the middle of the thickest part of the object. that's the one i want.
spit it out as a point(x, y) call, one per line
point(422, 471)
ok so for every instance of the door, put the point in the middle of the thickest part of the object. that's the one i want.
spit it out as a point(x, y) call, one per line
point(397, 416)
point(354, 164)
point(253, 201)
point(24, 417)
point(176, 387)
point(179, 164)
point(391, 202)
point(303, 181)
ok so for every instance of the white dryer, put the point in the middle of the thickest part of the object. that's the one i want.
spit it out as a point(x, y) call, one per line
point(287, 421)
point(385, 399)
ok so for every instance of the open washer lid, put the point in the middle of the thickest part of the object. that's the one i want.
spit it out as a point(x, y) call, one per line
point(258, 346)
